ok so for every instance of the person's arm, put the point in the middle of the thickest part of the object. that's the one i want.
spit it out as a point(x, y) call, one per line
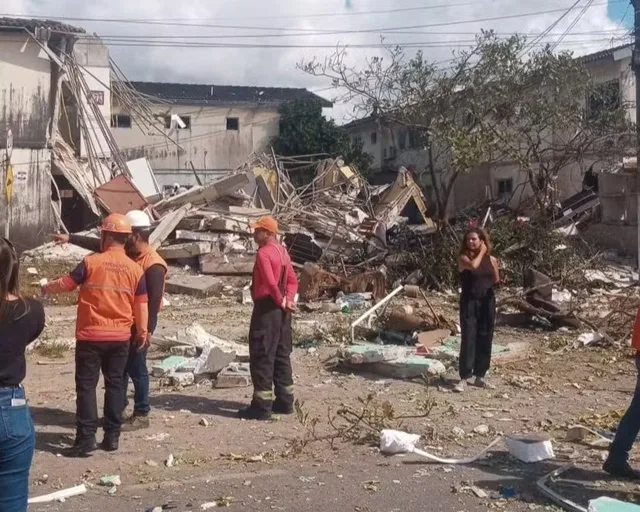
point(154, 277)
point(67, 283)
point(90, 243)
point(263, 265)
point(466, 263)
point(496, 270)
point(141, 313)
point(38, 319)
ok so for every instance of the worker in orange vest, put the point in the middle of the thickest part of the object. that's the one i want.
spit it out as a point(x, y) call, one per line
point(112, 299)
point(617, 463)
point(155, 269)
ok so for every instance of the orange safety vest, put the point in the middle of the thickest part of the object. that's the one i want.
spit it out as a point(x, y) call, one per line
point(635, 340)
point(107, 297)
point(148, 258)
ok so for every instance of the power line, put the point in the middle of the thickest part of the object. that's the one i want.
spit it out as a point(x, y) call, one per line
point(573, 24)
point(303, 31)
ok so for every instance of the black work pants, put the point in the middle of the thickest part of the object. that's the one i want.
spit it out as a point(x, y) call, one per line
point(477, 320)
point(91, 357)
point(270, 344)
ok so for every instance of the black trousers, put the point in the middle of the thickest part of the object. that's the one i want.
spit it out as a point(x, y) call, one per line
point(477, 321)
point(270, 344)
point(91, 357)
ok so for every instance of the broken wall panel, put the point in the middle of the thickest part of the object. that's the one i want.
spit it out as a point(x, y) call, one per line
point(120, 196)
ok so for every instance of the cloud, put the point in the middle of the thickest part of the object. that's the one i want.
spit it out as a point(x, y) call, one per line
point(292, 22)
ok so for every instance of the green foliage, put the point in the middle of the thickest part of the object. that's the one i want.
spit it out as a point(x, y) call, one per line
point(304, 130)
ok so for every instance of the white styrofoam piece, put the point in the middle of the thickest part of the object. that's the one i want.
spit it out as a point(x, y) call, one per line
point(143, 177)
point(395, 441)
point(529, 449)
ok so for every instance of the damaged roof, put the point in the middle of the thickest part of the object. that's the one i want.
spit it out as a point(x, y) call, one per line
point(609, 52)
point(201, 94)
point(30, 24)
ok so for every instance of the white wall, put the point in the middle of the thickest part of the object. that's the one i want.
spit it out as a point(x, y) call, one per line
point(208, 143)
point(93, 56)
point(25, 87)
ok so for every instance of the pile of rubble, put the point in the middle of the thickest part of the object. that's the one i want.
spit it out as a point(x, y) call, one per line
point(197, 356)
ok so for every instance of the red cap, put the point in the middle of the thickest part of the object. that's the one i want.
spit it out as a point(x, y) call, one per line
point(267, 223)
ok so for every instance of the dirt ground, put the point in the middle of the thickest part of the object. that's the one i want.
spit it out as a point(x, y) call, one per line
point(264, 466)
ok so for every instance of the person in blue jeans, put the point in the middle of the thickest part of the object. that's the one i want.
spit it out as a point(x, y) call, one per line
point(21, 322)
point(617, 463)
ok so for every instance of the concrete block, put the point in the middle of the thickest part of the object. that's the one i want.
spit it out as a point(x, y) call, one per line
point(215, 264)
point(236, 375)
point(186, 251)
point(213, 359)
point(184, 351)
point(197, 286)
point(182, 379)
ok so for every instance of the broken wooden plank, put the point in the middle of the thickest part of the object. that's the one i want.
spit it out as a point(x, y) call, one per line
point(185, 251)
point(204, 194)
point(264, 194)
point(213, 264)
point(197, 286)
point(167, 225)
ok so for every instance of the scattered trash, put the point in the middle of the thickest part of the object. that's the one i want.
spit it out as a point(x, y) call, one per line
point(581, 433)
point(151, 463)
point(458, 433)
point(59, 495)
point(589, 338)
point(606, 504)
point(204, 422)
point(508, 492)
point(110, 480)
point(395, 442)
point(530, 448)
point(170, 461)
point(554, 496)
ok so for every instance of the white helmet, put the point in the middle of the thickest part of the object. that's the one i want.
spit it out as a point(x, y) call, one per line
point(138, 219)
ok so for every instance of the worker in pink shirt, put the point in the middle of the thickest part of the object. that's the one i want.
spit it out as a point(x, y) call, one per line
point(273, 289)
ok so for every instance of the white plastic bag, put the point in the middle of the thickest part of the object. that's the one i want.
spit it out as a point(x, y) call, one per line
point(395, 441)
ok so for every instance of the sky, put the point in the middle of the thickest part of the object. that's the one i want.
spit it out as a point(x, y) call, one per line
point(171, 40)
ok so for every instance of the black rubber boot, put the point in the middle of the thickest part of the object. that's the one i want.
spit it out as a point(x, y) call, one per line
point(109, 444)
point(621, 470)
point(254, 413)
point(81, 449)
point(280, 407)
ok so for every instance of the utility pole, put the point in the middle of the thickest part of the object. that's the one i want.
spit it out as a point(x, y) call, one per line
point(635, 66)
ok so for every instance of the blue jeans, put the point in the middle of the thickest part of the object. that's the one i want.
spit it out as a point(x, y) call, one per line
point(17, 443)
point(137, 370)
point(629, 426)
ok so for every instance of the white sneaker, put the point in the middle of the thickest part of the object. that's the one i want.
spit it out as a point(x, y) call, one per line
point(460, 386)
point(482, 383)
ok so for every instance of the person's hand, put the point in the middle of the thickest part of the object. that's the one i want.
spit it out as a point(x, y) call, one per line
point(291, 306)
point(144, 343)
point(483, 247)
point(61, 238)
point(284, 303)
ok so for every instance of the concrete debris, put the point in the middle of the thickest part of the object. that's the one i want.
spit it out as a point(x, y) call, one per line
point(389, 361)
point(170, 461)
point(204, 422)
point(196, 286)
point(53, 252)
point(236, 375)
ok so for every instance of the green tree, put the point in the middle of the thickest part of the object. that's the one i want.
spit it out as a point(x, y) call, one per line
point(304, 130)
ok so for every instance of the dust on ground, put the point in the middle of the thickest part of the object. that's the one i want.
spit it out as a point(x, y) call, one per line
point(280, 465)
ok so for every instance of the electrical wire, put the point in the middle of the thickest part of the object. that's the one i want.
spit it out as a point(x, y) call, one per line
point(572, 25)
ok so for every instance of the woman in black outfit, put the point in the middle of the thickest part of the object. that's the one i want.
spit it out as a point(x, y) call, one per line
point(478, 275)
point(21, 322)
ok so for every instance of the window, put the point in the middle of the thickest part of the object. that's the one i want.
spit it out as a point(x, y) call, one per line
point(120, 121)
point(185, 119)
point(505, 187)
point(402, 139)
point(233, 124)
point(357, 140)
point(605, 98)
point(374, 138)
